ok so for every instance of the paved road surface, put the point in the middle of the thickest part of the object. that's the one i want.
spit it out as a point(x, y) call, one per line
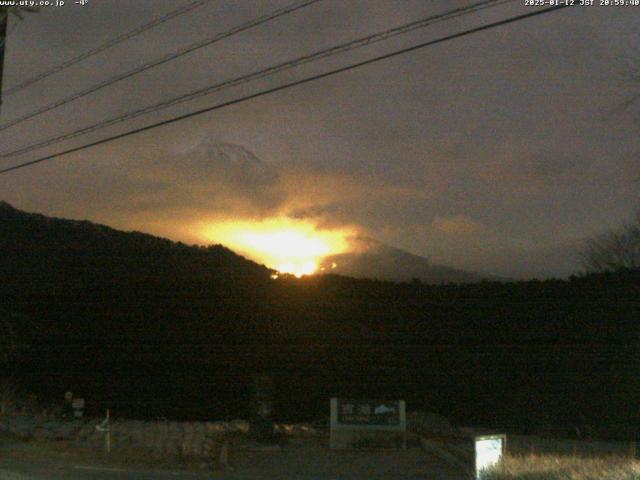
point(16, 470)
point(26, 461)
point(19, 470)
point(55, 470)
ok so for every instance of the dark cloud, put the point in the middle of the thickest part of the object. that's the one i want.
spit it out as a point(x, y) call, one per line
point(204, 178)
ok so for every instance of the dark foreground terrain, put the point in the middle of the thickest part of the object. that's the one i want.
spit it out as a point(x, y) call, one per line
point(153, 328)
point(304, 461)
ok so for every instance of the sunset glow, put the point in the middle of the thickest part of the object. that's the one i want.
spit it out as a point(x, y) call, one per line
point(289, 246)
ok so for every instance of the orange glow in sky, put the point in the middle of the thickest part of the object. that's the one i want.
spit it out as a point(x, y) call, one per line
point(287, 245)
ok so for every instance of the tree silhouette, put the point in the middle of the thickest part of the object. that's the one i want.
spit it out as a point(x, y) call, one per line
point(614, 250)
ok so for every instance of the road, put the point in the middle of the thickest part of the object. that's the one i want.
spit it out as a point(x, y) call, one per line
point(56, 470)
point(17, 470)
point(26, 461)
point(29, 461)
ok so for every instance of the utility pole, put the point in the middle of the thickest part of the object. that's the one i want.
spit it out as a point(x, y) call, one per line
point(4, 19)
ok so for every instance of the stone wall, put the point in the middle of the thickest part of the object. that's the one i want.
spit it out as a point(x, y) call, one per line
point(189, 439)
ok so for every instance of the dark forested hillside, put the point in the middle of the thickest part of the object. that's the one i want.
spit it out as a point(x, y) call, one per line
point(159, 328)
point(45, 248)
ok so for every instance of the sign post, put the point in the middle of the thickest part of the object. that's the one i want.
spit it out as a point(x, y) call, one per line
point(367, 423)
point(261, 424)
point(78, 407)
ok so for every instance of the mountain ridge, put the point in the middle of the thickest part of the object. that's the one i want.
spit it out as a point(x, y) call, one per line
point(379, 261)
point(375, 261)
point(19, 219)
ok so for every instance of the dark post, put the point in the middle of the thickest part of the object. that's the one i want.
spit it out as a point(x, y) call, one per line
point(261, 423)
point(4, 18)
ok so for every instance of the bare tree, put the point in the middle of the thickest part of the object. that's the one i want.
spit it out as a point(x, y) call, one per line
point(615, 250)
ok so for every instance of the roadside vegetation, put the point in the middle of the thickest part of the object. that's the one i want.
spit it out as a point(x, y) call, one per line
point(554, 467)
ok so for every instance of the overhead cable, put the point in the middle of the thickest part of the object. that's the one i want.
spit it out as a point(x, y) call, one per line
point(269, 71)
point(285, 86)
point(105, 46)
point(160, 61)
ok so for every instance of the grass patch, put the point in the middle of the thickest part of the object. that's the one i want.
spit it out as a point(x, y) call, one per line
point(554, 467)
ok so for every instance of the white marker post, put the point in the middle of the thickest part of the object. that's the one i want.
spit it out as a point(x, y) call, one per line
point(104, 427)
point(489, 450)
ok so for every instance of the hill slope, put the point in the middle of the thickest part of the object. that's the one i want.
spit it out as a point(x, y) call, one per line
point(376, 260)
point(40, 253)
point(153, 327)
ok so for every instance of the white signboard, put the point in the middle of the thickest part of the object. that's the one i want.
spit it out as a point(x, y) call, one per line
point(356, 423)
point(489, 452)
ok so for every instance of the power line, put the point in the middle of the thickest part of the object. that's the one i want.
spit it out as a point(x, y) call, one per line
point(290, 85)
point(353, 44)
point(105, 46)
point(162, 60)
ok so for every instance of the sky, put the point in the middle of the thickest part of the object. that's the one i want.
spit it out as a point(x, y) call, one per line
point(498, 152)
